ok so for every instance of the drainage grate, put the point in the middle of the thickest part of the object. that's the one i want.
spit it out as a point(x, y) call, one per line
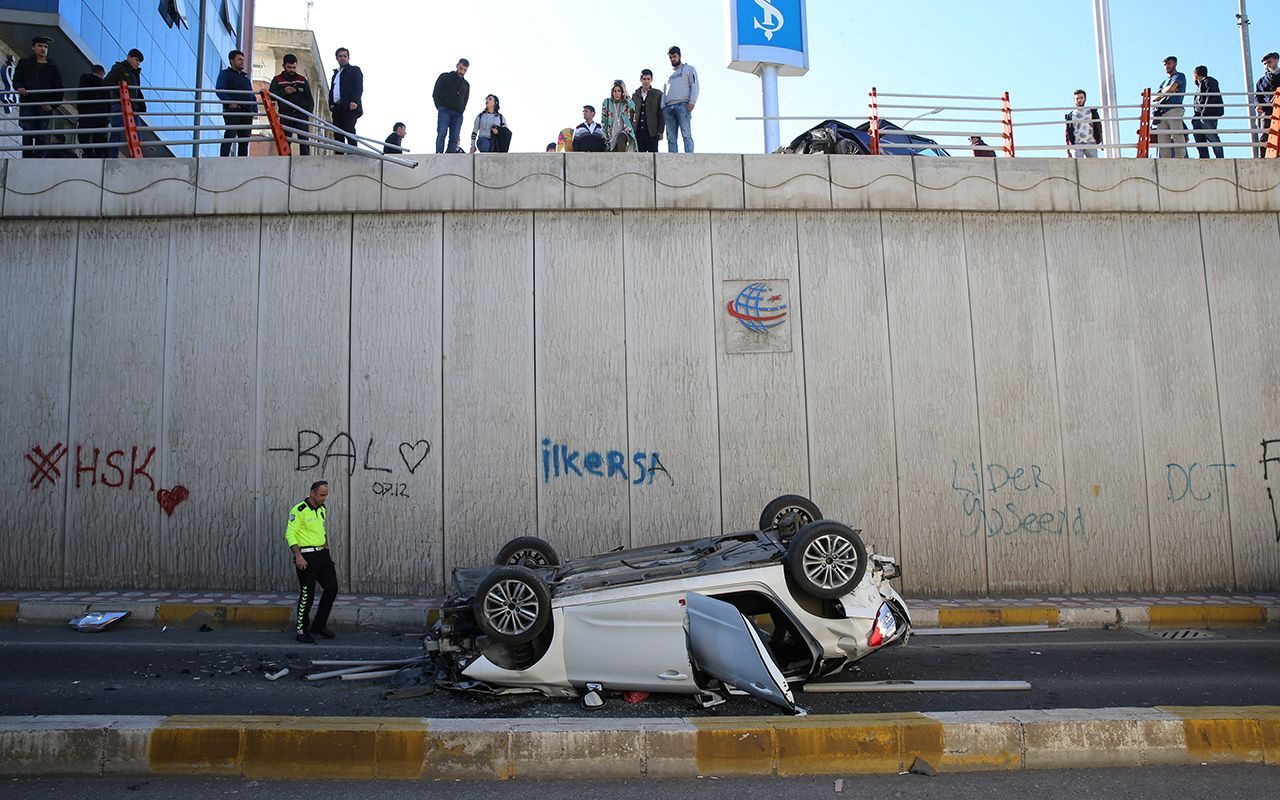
point(1181, 633)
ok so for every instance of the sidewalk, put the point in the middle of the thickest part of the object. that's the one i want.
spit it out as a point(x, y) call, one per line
point(219, 609)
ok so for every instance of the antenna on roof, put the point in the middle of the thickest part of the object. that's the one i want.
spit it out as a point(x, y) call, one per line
point(307, 20)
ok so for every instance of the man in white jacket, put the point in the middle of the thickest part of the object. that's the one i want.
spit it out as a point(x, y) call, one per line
point(678, 98)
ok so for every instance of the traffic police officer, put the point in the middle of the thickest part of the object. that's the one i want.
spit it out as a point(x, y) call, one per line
point(305, 535)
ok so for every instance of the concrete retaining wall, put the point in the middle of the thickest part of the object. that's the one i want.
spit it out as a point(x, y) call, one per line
point(488, 749)
point(1010, 394)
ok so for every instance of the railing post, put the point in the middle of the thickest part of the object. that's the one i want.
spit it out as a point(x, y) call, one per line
point(273, 117)
point(875, 123)
point(1273, 133)
point(1144, 125)
point(1006, 113)
point(130, 125)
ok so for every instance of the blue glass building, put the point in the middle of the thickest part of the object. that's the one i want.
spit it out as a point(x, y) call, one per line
point(184, 42)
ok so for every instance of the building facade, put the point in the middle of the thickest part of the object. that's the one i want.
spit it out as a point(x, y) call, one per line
point(184, 43)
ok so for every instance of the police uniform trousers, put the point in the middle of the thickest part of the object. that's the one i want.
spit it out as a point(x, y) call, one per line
point(320, 570)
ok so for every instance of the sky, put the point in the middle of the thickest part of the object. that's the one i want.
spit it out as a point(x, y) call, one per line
point(544, 61)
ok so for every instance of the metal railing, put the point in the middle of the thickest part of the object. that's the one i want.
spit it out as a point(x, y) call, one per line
point(995, 117)
point(109, 120)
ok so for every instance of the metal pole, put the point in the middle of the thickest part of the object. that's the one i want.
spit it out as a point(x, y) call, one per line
point(769, 90)
point(1242, 20)
point(1106, 76)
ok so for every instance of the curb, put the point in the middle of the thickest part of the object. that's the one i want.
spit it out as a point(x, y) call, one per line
point(1150, 616)
point(504, 749)
point(217, 616)
point(351, 618)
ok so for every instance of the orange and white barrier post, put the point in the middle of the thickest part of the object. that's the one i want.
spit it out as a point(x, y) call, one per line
point(273, 118)
point(1006, 113)
point(1144, 125)
point(875, 123)
point(130, 124)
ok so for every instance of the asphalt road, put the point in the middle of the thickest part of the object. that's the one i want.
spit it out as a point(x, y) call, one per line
point(145, 671)
point(1156, 783)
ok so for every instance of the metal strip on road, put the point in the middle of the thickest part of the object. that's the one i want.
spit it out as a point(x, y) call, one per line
point(917, 686)
point(976, 631)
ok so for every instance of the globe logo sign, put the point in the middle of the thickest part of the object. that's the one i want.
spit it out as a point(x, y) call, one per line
point(758, 308)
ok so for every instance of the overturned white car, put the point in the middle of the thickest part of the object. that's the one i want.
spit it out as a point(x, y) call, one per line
point(756, 612)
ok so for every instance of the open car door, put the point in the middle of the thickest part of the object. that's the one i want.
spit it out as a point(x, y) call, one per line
point(724, 644)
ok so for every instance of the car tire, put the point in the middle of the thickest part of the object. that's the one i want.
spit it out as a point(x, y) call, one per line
point(528, 551)
point(780, 506)
point(512, 605)
point(826, 559)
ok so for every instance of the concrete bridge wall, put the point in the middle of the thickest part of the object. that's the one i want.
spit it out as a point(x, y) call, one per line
point(1020, 377)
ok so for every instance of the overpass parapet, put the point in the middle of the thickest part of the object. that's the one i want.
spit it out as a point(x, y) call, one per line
point(93, 188)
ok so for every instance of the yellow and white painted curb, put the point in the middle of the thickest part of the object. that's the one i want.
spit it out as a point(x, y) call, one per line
point(416, 748)
point(279, 617)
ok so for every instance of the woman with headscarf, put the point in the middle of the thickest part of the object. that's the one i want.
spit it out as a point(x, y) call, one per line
point(616, 113)
point(486, 130)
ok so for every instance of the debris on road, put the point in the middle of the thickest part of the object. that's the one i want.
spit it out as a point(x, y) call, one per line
point(277, 675)
point(97, 620)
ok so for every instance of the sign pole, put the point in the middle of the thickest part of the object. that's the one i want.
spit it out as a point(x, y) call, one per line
point(769, 39)
point(769, 93)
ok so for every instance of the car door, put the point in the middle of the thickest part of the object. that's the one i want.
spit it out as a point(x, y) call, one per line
point(629, 643)
point(723, 643)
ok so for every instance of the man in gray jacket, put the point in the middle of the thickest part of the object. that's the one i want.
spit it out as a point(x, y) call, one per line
point(678, 98)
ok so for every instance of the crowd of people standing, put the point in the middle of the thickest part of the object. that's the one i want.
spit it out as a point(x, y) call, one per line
point(629, 121)
point(1168, 109)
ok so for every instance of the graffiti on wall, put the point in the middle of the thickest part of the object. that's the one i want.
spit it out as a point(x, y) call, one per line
point(109, 469)
point(1267, 460)
point(343, 451)
point(1017, 500)
point(562, 461)
point(1186, 486)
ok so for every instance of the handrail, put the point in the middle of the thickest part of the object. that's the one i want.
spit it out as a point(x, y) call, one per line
point(109, 110)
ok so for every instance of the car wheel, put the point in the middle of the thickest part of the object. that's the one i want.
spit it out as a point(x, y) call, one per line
point(779, 507)
point(528, 551)
point(512, 605)
point(826, 559)
point(846, 147)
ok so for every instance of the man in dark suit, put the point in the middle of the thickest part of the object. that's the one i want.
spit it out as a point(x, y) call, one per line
point(345, 96)
point(647, 121)
point(93, 104)
point(1205, 110)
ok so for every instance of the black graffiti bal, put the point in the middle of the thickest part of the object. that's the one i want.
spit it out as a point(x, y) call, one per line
point(342, 446)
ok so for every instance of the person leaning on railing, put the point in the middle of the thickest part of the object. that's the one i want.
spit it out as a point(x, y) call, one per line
point(130, 72)
point(37, 72)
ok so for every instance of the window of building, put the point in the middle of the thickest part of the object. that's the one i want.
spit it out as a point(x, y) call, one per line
point(174, 13)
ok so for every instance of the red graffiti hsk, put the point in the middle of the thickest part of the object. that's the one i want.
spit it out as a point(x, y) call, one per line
point(113, 471)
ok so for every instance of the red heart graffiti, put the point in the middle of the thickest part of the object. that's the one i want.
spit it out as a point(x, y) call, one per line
point(170, 498)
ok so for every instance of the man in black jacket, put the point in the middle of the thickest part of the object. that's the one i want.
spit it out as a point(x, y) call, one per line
point(346, 96)
point(1266, 89)
point(35, 72)
point(293, 87)
point(647, 119)
point(1205, 110)
point(450, 95)
point(93, 105)
point(128, 71)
